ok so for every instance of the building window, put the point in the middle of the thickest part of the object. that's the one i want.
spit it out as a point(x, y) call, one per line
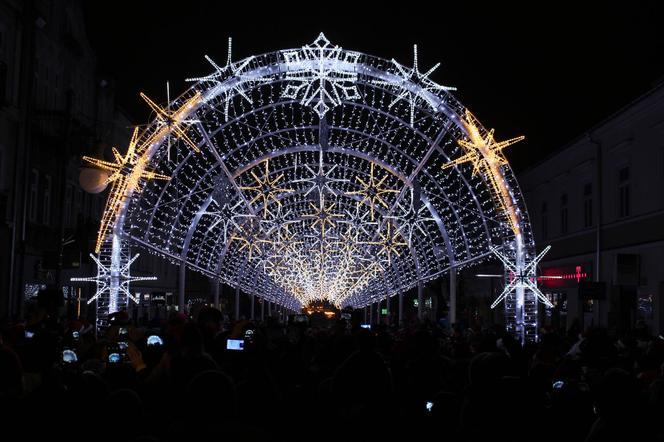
point(623, 192)
point(545, 224)
point(46, 212)
point(588, 205)
point(563, 213)
point(34, 195)
point(66, 210)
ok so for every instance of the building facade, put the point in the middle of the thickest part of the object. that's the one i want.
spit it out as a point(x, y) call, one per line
point(55, 106)
point(599, 202)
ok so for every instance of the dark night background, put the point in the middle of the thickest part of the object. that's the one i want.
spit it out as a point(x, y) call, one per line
point(548, 71)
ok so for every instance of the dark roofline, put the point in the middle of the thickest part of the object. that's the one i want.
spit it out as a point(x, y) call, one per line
point(658, 85)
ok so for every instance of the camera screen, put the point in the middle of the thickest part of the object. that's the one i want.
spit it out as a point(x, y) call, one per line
point(367, 326)
point(114, 358)
point(29, 334)
point(235, 344)
point(69, 356)
point(155, 340)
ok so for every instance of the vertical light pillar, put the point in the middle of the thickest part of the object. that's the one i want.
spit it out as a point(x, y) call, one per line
point(251, 312)
point(520, 309)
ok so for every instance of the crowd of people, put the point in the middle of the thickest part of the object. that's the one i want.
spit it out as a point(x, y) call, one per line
point(182, 379)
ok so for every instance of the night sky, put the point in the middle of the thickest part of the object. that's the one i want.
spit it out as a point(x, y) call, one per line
point(549, 77)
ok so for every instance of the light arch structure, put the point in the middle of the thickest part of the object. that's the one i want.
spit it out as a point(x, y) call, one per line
point(319, 173)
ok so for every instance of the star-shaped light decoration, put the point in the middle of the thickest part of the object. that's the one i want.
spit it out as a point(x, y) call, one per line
point(121, 162)
point(372, 191)
point(251, 238)
point(266, 188)
point(389, 243)
point(320, 180)
point(224, 215)
point(279, 223)
point(104, 275)
point(413, 86)
point(521, 278)
point(410, 218)
point(127, 172)
point(358, 226)
point(232, 78)
point(316, 76)
point(486, 156)
point(175, 120)
point(323, 216)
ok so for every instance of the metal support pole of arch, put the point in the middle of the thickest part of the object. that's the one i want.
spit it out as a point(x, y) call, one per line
point(420, 301)
point(237, 304)
point(181, 287)
point(215, 292)
point(453, 297)
point(400, 309)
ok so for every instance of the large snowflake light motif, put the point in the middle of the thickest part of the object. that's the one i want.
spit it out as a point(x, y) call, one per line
point(372, 191)
point(316, 78)
point(266, 188)
point(521, 278)
point(232, 78)
point(414, 86)
point(105, 274)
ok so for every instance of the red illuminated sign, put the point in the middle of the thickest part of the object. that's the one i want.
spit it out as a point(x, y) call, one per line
point(565, 276)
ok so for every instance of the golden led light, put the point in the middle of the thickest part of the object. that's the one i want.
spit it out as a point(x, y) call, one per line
point(372, 191)
point(324, 218)
point(175, 120)
point(389, 242)
point(250, 238)
point(347, 232)
point(266, 188)
point(127, 171)
point(486, 156)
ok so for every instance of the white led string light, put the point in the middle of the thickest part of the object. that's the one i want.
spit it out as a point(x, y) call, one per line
point(320, 149)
